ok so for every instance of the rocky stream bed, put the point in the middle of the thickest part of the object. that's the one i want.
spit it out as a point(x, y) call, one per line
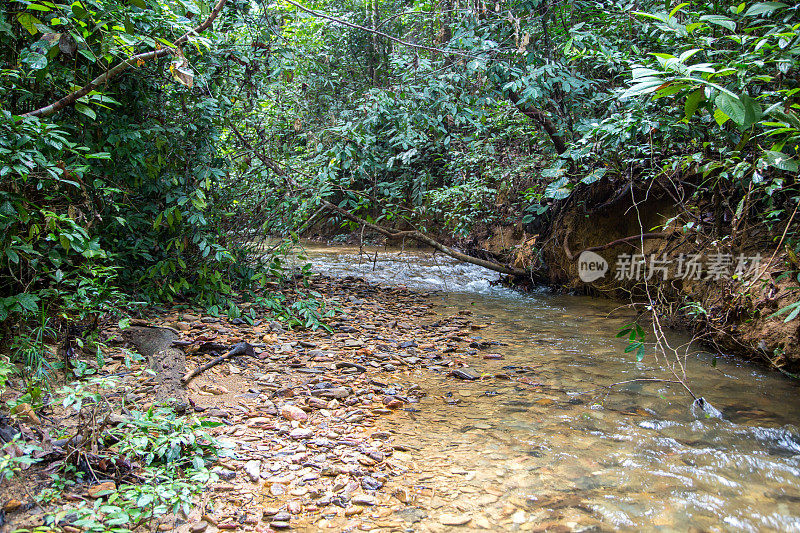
point(468, 408)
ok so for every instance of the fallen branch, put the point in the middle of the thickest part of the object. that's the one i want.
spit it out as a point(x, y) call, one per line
point(421, 237)
point(389, 234)
point(130, 62)
point(241, 348)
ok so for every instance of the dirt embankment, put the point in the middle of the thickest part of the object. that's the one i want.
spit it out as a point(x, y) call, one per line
point(722, 287)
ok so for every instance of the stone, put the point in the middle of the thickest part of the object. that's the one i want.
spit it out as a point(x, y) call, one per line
point(223, 473)
point(482, 522)
point(301, 433)
point(280, 525)
point(96, 490)
point(253, 469)
point(403, 494)
point(12, 505)
point(448, 519)
point(463, 374)
point(370, 483)
point(292, 412)
point(364, 499)
point(215, 389)
point(198, 527)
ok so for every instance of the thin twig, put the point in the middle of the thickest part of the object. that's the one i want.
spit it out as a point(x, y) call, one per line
point(379, 33)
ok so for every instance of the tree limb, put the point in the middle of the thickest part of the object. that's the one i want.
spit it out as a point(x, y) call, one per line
point(389, 234)
point(242, 348)
point(540, 118)
point(640, 237)
point(121, 67)
point(421, 237)
point(377, 32)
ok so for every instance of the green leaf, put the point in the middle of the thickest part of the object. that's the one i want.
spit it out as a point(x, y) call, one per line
point(594, 176)
point(28, 301)
point(558, 190)
point(752, 110)
point(78, 11)
point(732, 107)
point(37, 7)
point(763, 7)
point(86, 110)
point(139, 3)
point(88, 54)
point(692, 102)
point(793, 307)
point(720, 117)
point(719, 20)
point(780, 161)
point(12, 255)
point(28, 22)
point(676, 9)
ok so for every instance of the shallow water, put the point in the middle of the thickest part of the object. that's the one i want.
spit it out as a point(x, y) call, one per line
point(558, 448)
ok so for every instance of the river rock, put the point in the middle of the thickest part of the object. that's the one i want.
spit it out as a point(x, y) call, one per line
point(292, 412)
point(253, 469)
point(301, 433)
point(370, 483)
point(96, 490)
point(463, 374)
point(364, 499)
point(223, 473)
point(337, 393)
point(198, 527)
point(454, 519)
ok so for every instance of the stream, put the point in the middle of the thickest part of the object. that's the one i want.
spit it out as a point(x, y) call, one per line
point(557, 449)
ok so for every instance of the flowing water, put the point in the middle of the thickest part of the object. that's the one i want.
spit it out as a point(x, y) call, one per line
point(555, 448)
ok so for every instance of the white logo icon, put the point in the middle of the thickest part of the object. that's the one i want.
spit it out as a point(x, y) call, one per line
point(591, 267)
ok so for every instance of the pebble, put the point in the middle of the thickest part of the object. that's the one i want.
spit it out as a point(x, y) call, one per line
point(95, 491)
point(403, 494)
point(253, 469)
point(223, 473)
point(454, 520)
point(292, 412)
point(370, 483)
point(301, 433)
point(12, 505)
point(463, 374)
point(364, 499)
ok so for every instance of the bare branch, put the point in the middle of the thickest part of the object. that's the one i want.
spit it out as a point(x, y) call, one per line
point(121, 67)
point(377, 32)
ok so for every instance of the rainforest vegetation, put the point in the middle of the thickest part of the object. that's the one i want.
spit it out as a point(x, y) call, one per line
point(146, 144)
